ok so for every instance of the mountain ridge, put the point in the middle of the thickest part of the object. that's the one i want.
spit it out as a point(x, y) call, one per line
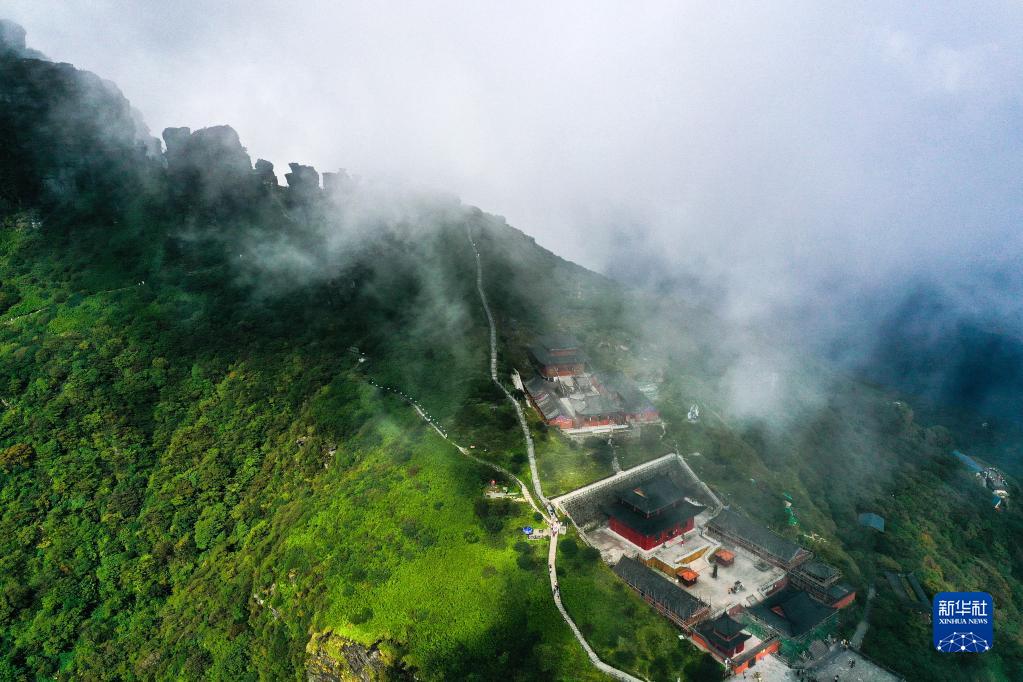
point(200, 478)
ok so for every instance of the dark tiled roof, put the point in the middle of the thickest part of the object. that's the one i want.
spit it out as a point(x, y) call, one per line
point(766, 539)
point(652, 495)
point(632, 399)
point(557, 349)
point(671, 597)
point(539, 391)
point(838, 591)
point(820, 571)
point(652, 525)
point(799, 612)
point(595, 406)
point(723, 632)
point(726, 626)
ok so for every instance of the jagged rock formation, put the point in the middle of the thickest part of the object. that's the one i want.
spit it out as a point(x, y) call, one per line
point(304, 183)
point(333, 658)
point(66, 134)
point(208, 165)
point(12, 39)
point(265, 173)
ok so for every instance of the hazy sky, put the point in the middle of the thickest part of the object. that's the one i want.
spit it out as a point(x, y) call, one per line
point(792, 153)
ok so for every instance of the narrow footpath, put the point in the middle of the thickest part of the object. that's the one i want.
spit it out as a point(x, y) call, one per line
point(861, 627)
point(530, 450)
point(552, 555)
point(461, 448)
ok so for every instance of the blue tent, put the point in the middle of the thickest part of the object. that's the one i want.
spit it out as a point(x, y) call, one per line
point(872, 520)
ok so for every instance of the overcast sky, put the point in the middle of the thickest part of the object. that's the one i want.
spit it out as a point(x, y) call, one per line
point(786, 151)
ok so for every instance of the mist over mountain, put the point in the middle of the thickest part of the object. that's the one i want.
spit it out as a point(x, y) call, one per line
point(265, 424)
point(800, 167)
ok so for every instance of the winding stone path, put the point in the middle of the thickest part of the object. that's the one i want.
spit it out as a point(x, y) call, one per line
point(552, 554)
point(530, 450)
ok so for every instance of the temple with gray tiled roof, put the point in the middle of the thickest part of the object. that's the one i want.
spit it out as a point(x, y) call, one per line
point(758, 539)
point(676, 604)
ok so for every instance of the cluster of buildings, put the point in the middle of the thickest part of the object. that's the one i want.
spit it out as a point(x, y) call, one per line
point(709, 573)
point(989, 477)
point(567, 394)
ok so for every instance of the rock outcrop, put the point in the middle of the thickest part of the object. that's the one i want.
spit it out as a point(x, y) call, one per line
point(12, 40)
point(333, 658)
point(209, 166)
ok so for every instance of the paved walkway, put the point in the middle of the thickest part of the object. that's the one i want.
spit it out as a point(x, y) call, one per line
point(552, 554)
point(836, 664)
point(530, 450)
point(462, 449)
point(861, 628)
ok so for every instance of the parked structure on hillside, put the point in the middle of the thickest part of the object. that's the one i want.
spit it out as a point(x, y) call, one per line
point(871, 520)
point(989, 477)
point(908, 590)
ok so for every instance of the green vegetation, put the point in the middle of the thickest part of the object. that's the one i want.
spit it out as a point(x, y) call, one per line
point(198, 480)
point(154, 491)
point(620, 626)
point(566, 464)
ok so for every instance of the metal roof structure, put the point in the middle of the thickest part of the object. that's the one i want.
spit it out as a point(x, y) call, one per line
point(672, 598)
point(543, 398)
point(595, 406)
point(753, 533)
point(872, 520)
point(820, 571)
point(792, 613)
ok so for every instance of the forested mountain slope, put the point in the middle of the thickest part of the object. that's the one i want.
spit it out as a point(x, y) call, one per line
point(199, 477)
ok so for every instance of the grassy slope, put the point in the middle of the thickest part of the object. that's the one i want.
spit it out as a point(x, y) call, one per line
point(186, 439)
point(620, 626)
point(199, 445)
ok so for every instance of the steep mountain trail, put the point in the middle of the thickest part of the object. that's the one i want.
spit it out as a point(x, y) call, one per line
point(12, 320)
point(530, 450)
point(461, 448)
point(552, 554)
point(861, 627)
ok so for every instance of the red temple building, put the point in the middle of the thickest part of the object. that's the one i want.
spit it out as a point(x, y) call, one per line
point(635, 407)
point(723, 635)
point(557, 355)
point(686, 576)
point(651, 513)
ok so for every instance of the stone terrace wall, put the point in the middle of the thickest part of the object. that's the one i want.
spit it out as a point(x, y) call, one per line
point(584, 505)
